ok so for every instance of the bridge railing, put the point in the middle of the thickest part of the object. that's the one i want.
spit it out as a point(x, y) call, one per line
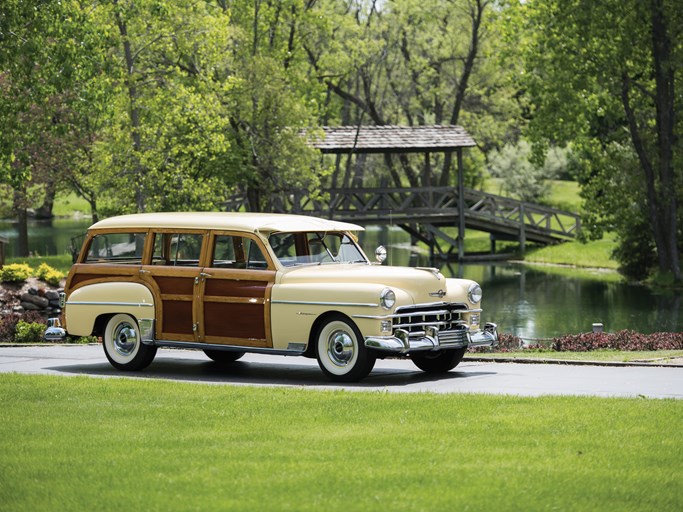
point(422, 205)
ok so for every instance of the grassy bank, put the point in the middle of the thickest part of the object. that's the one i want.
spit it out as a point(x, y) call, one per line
point(83, 444)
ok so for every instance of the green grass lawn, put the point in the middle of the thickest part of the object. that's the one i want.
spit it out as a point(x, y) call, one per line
point(118, 444)
point(590, 254)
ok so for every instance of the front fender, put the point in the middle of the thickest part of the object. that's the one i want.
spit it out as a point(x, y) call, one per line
point(86, 304)
point(296, 307)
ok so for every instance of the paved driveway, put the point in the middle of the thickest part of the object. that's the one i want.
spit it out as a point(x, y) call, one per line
point(389, 375)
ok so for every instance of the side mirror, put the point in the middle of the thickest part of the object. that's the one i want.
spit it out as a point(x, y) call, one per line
point(380, 254)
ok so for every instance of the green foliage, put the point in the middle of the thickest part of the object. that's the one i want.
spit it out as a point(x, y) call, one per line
point(515, 166)
point(599, 76)
point(29, 332)
point(81, 340)
point(62, 263)
point(48, 274)
point(15, 273)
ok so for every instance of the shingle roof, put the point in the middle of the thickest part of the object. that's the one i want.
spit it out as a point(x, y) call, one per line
point(393, 139)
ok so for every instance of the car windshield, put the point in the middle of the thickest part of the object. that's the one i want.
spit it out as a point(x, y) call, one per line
point(315, 248)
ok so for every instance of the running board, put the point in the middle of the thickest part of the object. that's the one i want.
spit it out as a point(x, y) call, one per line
point(227, 348)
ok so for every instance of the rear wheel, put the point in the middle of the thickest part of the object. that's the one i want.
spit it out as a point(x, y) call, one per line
point(122, 344)
point(441, 361)
point(342, 355)
point(223, 356)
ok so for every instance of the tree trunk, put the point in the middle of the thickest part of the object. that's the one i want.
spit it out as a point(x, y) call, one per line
point(477, 8)
point(664, 98)
point(45, 210)
point(133, 112)
point(22, 223)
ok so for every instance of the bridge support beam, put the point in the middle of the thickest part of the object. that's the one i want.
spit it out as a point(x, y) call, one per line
point(461, 207)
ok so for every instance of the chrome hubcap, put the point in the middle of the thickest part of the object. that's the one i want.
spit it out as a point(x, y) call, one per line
point(125, 339)
point(340, 348)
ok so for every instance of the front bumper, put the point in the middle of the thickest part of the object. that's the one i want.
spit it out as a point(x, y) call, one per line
point(402, 343)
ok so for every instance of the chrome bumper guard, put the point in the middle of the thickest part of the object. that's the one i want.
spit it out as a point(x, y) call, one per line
point(54, 331)
point(402, 343)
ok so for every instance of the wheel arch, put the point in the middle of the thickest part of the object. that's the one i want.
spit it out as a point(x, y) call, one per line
point(89, 307)
point(320, 321)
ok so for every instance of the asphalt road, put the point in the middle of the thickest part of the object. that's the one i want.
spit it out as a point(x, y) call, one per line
point(391, 375)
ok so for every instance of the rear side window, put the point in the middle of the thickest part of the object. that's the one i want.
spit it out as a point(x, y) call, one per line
point(120, 248)
point(177, 249)
point(237, 252)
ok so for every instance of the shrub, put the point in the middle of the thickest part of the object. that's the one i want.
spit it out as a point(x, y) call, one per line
point(49, 275)
point(81, 340)
point(506, 343)
point(622, 340)
point(15, 273)
point(29, 332)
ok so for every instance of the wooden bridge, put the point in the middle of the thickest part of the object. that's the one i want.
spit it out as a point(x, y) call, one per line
point(424, 212)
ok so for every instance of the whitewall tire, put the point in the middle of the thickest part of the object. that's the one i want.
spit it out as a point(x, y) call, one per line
point(122, 344)
point(340, 350)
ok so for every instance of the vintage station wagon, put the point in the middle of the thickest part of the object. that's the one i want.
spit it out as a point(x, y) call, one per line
point(231, 283)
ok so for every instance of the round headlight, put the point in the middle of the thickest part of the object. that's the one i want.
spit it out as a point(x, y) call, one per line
point(387, 298)
point(474, 293)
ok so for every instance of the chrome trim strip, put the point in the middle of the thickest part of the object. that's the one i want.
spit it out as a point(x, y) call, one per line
point(313, 303)
point(228, 348)
point(419, 313)
point(93, 303)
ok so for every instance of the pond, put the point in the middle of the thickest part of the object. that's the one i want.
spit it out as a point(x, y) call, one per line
point(528, 301)
point(45, 237)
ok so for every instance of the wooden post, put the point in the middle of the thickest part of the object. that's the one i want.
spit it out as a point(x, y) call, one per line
point(461, 207)
point(522, 229)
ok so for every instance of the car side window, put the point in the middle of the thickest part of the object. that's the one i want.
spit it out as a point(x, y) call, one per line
point(237, 252)
point(119, 248)
point(177, 249)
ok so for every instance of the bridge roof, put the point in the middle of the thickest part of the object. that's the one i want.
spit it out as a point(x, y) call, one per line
point(393, 139)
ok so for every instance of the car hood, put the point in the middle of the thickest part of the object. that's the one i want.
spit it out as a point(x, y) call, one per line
point(419, 283)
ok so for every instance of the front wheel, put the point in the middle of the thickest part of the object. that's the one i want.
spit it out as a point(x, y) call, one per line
point(122, 344)
point(342, 355)
point(441, 361)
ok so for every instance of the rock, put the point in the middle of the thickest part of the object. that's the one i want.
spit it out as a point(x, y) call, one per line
point(33, 290)
point(52, 295)
point(29, 306)
point(54, 303)
point(39, 302)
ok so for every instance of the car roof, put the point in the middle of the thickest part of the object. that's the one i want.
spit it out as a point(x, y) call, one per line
point(249, 222)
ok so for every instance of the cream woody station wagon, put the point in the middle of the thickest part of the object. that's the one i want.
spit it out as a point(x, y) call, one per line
point(231, 283)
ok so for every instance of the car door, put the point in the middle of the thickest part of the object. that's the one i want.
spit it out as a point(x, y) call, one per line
point(174, 277)
point(235, 292)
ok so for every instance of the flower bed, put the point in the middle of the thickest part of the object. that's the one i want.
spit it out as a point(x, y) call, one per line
point(625, 341)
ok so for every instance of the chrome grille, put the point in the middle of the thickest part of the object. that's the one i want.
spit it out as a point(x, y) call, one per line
point(443, 316)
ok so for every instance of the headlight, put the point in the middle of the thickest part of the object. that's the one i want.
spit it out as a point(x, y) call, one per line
point(387, 298)
point(474, 293)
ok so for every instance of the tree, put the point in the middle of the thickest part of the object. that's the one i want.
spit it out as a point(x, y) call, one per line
point(414, 62)
point(41, 59)
point(604, 75)
point(273, 99)
point(164, 145)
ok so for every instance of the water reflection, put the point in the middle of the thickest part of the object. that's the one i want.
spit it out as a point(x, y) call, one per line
point(45, 237)
point(537, 302)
